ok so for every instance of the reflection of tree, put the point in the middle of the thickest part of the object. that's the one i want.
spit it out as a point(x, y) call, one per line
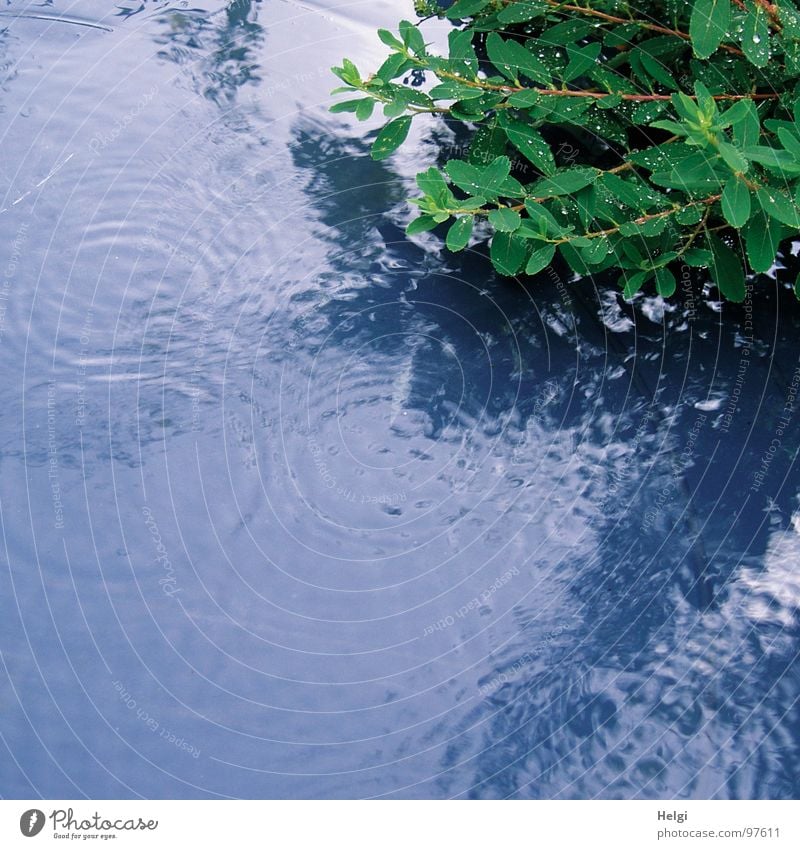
point(223, 45)
point(593, 407)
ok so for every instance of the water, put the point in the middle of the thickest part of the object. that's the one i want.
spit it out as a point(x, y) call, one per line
point(294, 506)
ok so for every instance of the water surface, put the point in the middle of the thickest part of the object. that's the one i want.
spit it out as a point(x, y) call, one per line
point(295, 506)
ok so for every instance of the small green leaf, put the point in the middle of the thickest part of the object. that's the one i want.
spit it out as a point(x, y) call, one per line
point(465, 8)
point(762, 236)
point(755, 35)
point(459, 233)
point(421, 225)
point(633, 282)
point(508, 253)
point(736, 203)
point(505, 219)
point(530, 143)
point(390, 40)
point(540, 259)
point(665, 283)
point(565, 182)
point(797, 288)
point(412, 37)
point(726, 270)
point(708, 25)
point(364, 109)
point(779, 207)
point(391, 137)
point(518, 13)
point(732, 157)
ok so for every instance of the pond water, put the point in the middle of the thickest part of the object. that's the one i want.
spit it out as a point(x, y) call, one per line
point(295, 506)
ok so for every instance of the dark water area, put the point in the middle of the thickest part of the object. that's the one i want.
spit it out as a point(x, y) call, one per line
point(295, 506)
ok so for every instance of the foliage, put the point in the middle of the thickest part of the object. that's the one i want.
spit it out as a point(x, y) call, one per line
point(634, 138)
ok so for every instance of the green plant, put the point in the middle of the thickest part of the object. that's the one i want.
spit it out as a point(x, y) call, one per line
point(640, 139)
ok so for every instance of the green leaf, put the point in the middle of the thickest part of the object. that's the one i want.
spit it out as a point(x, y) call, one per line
point(349, 105)
point(390, 40)
point(762, 236)
point(508, 253)
point(726, 270)
point(779, 207)
point(755, 35)
point(565, 182)
point(505, 219)
point(708, 25)
point(524, 99)
point(797, 288)
point(698, 258)
point(581, 60)
point(736, 203)
point(512, 59)
point(530, 143)
point(665, 283)
point(364, 109)
point(540, 259)
point(486, 182)
point(778, 160)
point(732, 157)
point(747, 128)
point(421, 225)
point(544, 221)
point(391, 137)
point(412, 37)
point(633, 282)
point(465, 8)
point(432, 183)
point(459, 233)
point(520, 12)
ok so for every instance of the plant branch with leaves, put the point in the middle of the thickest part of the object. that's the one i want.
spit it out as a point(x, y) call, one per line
point(698, 168)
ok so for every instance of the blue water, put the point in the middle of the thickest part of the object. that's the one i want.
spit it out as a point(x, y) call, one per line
point(295, 506)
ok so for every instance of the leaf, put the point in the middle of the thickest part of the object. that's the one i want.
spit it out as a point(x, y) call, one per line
point(465, 8)
point(797, 288)
point(736, 203)
point(505, 219)
point(634, 282)
point(364, 109)
point(512, 59)
point(778, 160)
point(726, 270)
point(747, 129)
point(665, 283)
point(732, 157)
point(540, 259)
point(518, 13)
point(349, 105)
point(391, 137)
point(390, 40)
point(486, 182)
point(530, 143)
point(755, 35)
point(412, 37)
point(508, 253)
point(708, 25)
point(762, 236)
point(581, 60)
point(421, 225)
point(565, 182)
point(543, 220)
point(432, 183)
point(459, 233)
point(779, 207)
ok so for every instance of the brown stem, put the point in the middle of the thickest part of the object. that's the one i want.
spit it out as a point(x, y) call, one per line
point(614, 19)
point(596, 95)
